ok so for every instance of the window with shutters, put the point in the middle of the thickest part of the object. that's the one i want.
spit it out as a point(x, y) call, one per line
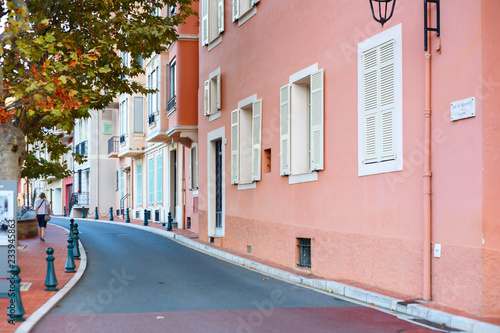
point(246, 128)
point(139, 184)
point(212, 21)
point(151, 175)
point(212, 95)
point(301, 125)
point(243, 10)
point(380, 104)
point(193, 167)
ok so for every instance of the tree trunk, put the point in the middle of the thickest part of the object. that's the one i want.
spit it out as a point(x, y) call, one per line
point(12, 149)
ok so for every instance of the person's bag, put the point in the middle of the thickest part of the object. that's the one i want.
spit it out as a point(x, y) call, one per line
point(47, 217)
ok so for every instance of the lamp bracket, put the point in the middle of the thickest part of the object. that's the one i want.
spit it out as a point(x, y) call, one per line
point(427, 27)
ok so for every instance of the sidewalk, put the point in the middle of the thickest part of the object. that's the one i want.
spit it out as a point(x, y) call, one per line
point(33, 265)
point(445, 317)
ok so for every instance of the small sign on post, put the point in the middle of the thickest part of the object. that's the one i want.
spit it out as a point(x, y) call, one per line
point(465, 108)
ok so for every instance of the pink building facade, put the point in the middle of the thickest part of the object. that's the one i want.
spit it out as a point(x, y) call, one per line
point(330, 144)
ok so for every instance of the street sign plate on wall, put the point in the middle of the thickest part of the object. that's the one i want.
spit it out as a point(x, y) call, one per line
point(465, 108)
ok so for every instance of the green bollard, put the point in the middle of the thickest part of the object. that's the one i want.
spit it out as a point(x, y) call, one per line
point(127, 218)
point(96, 215)
point(145, 217)
point(70, 262)
point(169, 222)
point(76, 248)
point(51, 280)
point(71, 226)
point(83, 212)
point(111, 213)
point(15, 310)
point(64, 211)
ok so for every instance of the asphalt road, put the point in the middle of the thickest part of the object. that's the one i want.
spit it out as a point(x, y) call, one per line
point(142, 282)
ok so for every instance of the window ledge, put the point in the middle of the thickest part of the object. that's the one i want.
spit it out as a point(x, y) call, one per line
point(194, 192)
point(214, 42)
point(303, 177)
point(169, 112)
point(214, 116)
point(247, 186)
point(247, 15)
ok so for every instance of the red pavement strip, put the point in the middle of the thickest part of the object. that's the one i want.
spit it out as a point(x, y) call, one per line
point(33, 264)
point(33, 268)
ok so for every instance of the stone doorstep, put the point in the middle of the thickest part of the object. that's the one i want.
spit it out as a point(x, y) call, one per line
point(412, 308)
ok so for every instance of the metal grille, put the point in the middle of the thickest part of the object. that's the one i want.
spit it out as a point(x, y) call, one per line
point(304, 246)
point(218, 184)
point(171, 104)
point(113, 144)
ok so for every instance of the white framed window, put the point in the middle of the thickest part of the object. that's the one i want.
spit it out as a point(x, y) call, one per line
point(243, 10)
point(138, 115)
point(380, 108)
point(172, 89)
point(153, 82)
point(212, 20)
point(301, 124)
point(212, 93)
point(193, 167)
point(246, 129)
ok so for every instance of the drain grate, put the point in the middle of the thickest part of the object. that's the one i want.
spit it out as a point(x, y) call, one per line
point(434, 325)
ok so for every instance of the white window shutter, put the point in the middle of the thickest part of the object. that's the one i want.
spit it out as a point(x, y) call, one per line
point(236, 10)
point(235, 146)
point(285, 130)
point(387, 101)
point(220, 16)
point(317, 121)
point(370, 106)
point(256, 139)
point(219, 100)
point(196, 168)
point(204, 22)
point(207, 98)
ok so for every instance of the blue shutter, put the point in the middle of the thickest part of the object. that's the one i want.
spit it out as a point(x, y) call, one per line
point(139, 184)
point(159, 178)
point(151, 173)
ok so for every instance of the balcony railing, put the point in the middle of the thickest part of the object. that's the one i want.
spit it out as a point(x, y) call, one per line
point(151, 119)
point(122, 138)
point(171, 104)
point(82, 148)
point(113, 144)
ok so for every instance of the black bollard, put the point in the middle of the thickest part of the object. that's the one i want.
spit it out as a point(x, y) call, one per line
point(169, 222)
point(76, 247)
point(70, 262)
point(96, 215)
point(145, 217)
point(111, 213)
point(83, 212)
point(15, 310)
point(51, 280)
point(127, 217)
point(64, 211)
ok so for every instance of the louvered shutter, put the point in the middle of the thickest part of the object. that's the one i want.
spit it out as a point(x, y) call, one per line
point(191, 180)
point(195, 173)
point(317, 121)
point(204, 22)
point(236, 10)
point(235, 146)
point(387, 101)
point(206, 97)
point(159, 178)
point(256, 139)
point(220, 16)
point(285, 130)
point(378, 104)
point(219, 101)
point(370, 97)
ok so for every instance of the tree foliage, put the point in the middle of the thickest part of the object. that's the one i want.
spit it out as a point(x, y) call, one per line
point(61, 58)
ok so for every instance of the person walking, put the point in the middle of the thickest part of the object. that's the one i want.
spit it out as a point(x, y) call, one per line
point(42, 208)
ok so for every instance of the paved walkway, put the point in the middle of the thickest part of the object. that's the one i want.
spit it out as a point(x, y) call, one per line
point(33, 269)
point(33, 265)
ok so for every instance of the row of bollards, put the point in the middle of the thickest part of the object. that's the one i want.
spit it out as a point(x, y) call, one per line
point(15, 310)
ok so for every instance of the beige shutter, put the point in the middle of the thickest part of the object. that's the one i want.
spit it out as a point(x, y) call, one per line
point(191, 178)
point(220, 16)
point(196, 168)
point(317, 121)
point(285, 130)
point(256, 139)
point(235, 146)
point(236, 10)
point(387, 101)
point(219, 101)
point(204, 22)
point(370, 106)
point(207, 98)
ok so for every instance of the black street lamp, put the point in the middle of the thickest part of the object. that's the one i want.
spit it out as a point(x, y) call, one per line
point(380, 15)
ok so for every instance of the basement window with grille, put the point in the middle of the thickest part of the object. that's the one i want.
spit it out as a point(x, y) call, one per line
point(304, 252)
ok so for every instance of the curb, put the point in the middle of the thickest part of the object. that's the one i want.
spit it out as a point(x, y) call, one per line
point(36, 316)
point(371, 299)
